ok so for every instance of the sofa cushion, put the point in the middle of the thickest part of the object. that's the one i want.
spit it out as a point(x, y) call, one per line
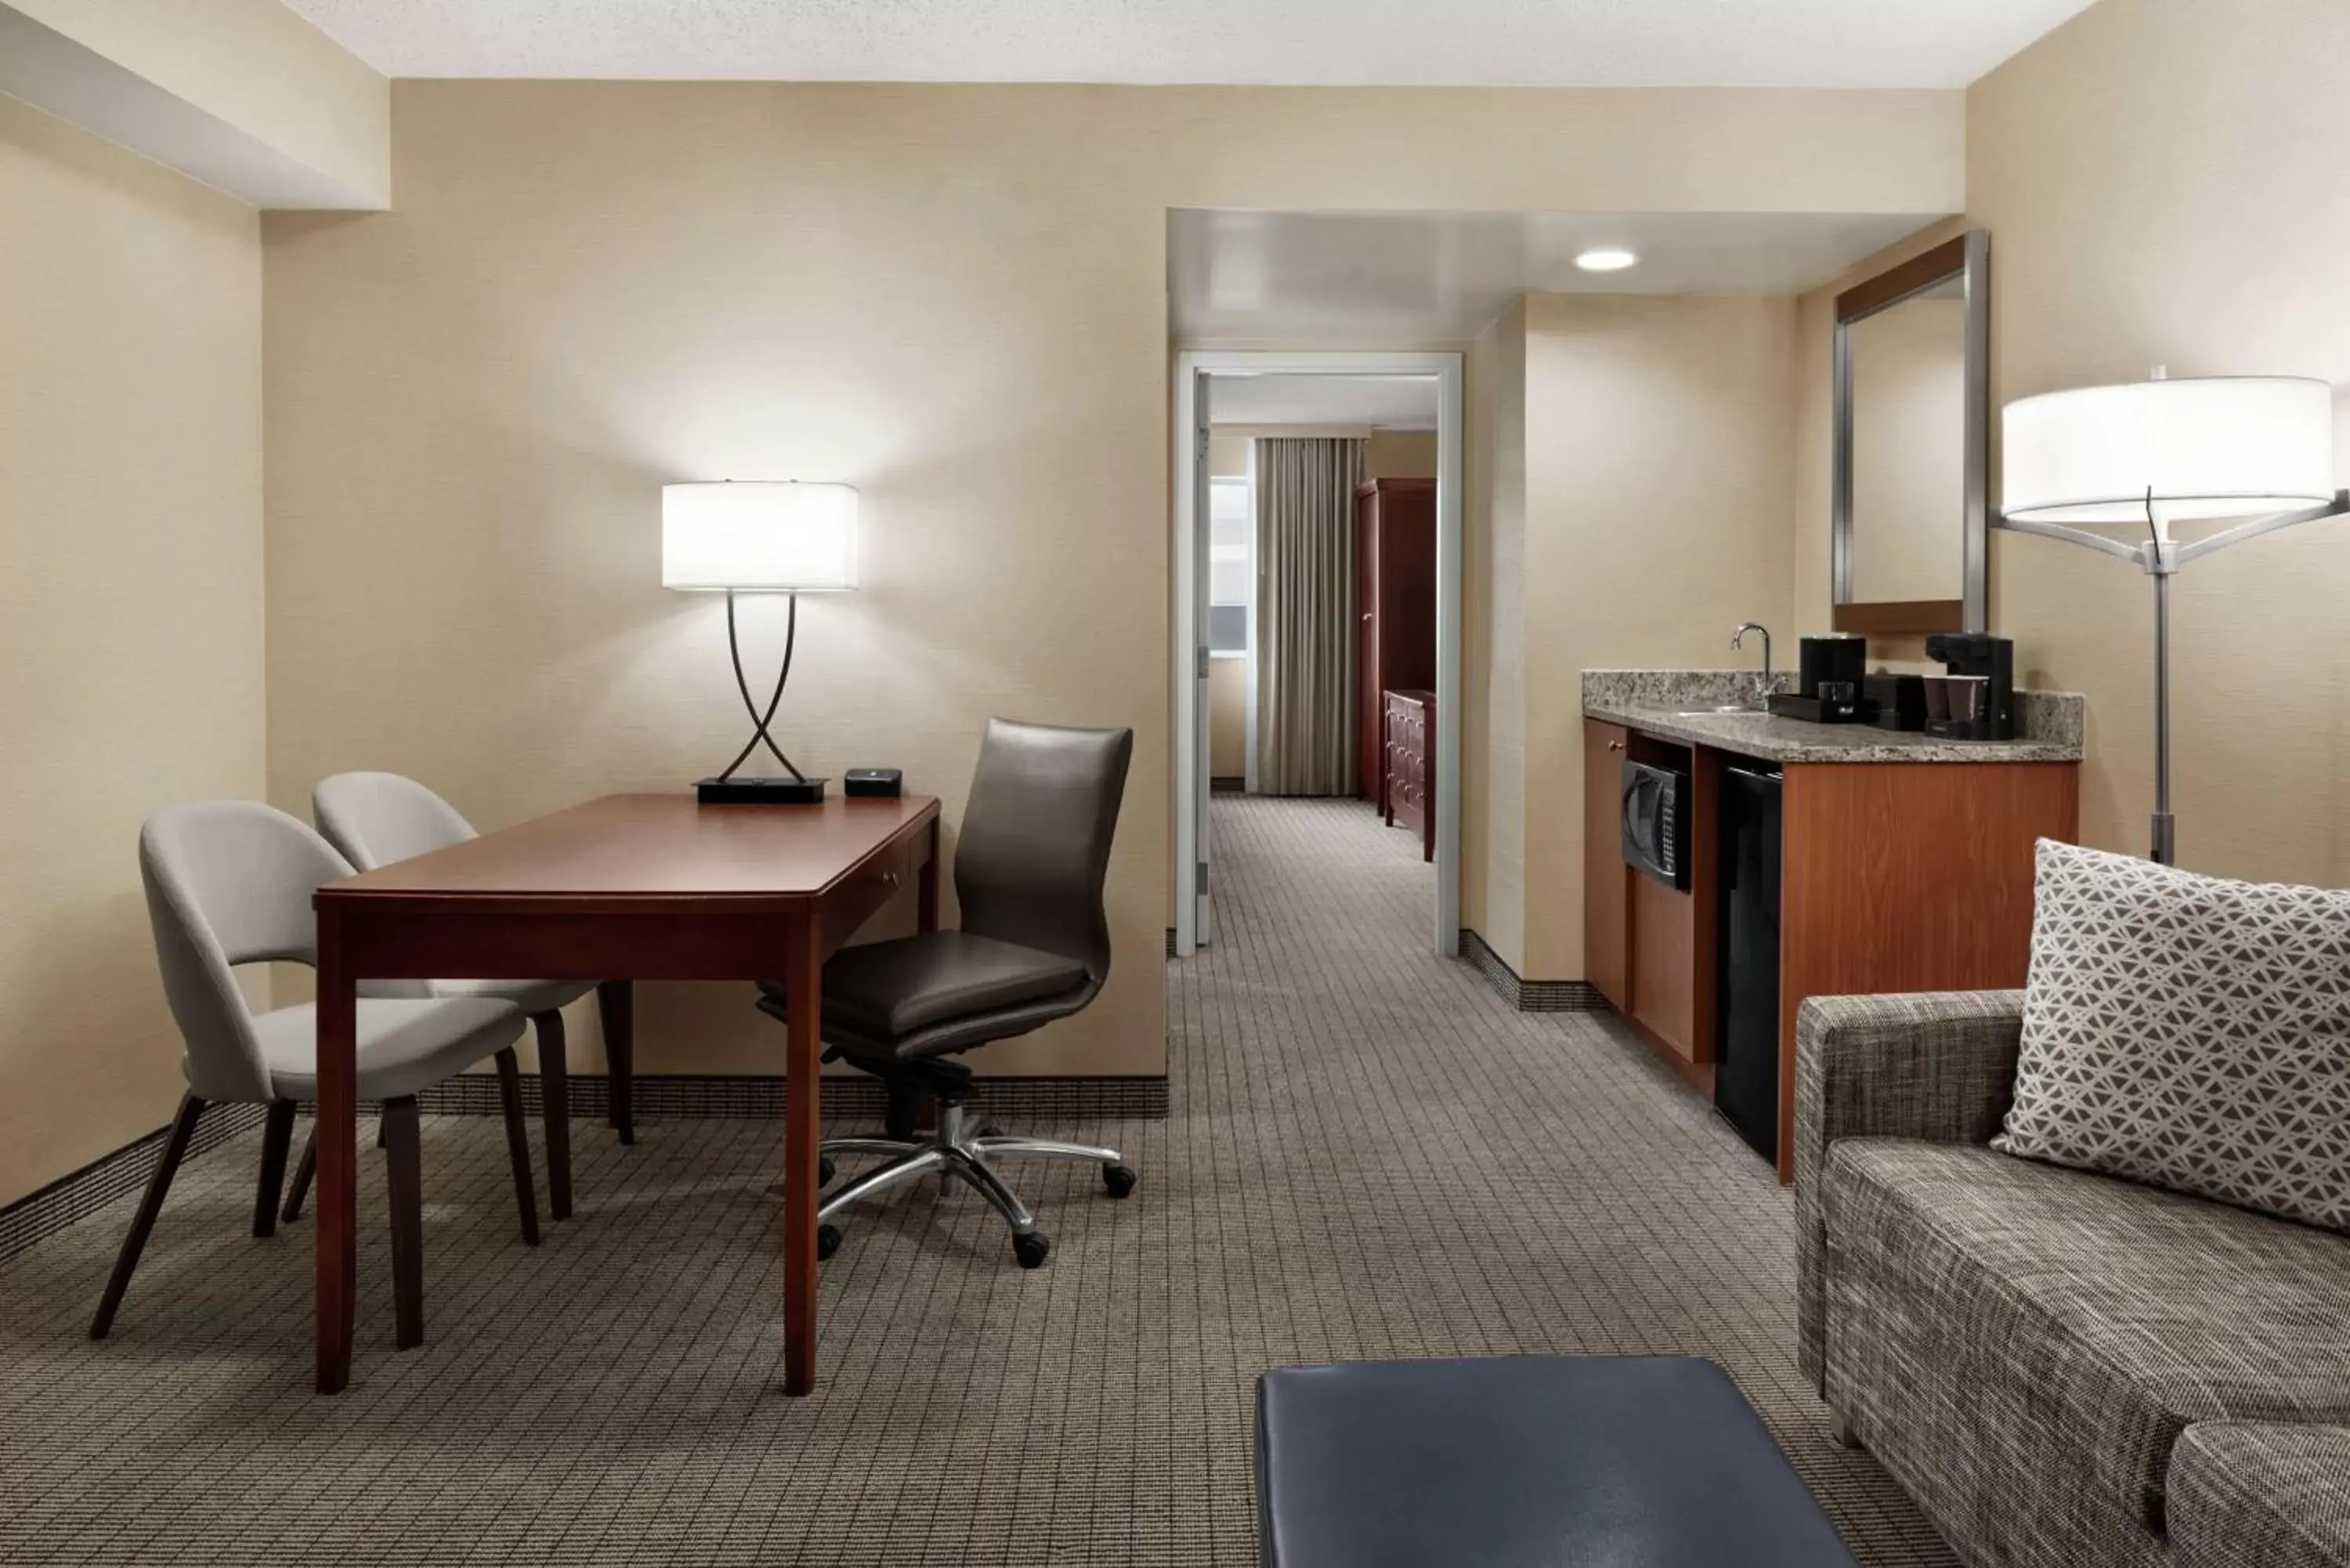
point(2081, 1321)
point(2190, 1031)
point(2253, 1496)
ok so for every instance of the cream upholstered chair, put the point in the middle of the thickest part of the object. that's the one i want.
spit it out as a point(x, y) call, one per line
point(229, 883)
point(378, 818)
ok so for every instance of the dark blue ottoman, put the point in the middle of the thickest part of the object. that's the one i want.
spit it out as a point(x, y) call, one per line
point(1527, 1463)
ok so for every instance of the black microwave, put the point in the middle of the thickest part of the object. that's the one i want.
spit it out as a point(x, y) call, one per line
point(1656, 823)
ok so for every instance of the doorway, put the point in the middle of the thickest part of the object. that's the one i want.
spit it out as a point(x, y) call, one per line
point(1208, 637)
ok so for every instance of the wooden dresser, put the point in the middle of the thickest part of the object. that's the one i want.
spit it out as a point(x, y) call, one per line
point(1407, 788)
point(1395, 603)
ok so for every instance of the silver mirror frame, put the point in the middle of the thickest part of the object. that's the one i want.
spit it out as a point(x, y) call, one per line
point(1967, 258)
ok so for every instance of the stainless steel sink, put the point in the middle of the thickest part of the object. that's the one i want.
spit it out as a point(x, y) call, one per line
point(1711, 712)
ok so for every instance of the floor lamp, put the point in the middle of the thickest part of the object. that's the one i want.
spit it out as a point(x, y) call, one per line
point(2255, 450)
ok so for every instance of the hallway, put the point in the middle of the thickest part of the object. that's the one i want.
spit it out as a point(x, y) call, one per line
point(1420, 1170)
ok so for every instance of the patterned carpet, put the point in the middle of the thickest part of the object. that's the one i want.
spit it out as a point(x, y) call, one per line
point(1369, 1155)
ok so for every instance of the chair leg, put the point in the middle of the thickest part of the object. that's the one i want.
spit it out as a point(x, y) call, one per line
point(276, 1137)
point(616, 1005)
point(306, 1171)
point(404, 1177)
point(1006, 1146)
point(916, 1162)
point(167, 1165)
point(518, 1142)
point(555, 1099)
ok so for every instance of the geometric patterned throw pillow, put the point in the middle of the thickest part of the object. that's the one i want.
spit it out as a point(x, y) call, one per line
point(2187, 1031)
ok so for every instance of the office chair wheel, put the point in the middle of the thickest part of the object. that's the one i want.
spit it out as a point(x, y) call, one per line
point(827, 1241)
point(824, 1170)
point(1119, 1180)
point(1030, 1249)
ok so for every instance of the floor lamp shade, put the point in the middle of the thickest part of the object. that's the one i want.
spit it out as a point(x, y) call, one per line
point(2146, 454)
point(758, 537)
point(2230, 446)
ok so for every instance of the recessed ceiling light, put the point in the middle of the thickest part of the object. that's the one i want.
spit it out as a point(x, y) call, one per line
point(1609, 258)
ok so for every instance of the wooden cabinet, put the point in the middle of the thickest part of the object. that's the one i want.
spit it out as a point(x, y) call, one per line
point(1895, 877)
point(1407, 790)
point(1670, 933)
point(1395, 608)
point(1607, 951)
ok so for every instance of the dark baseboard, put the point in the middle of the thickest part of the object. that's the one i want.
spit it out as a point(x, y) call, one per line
point(101, 1181)
point(1528, 995)
point(695, 1096)
point(1225, 785)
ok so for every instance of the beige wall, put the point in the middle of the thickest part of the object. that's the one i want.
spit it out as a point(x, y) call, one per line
point(2195, 236)
point(2164, 184)
point(255, 67)
point(130, 608)
point(1493, 720)
point(1659, 458)
point(1400, 454)
point(952, 296)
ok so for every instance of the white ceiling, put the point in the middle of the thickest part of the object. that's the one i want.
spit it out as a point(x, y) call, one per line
point(1384, 402)
point(1593, 43)
point(1402, 277)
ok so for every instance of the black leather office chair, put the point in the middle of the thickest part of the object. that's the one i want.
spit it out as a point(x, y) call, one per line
point(1033, 947)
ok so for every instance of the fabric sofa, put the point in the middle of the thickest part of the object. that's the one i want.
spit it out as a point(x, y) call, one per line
point(2062, 1369)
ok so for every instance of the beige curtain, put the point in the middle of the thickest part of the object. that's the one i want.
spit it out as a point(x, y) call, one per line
point(1305, 615)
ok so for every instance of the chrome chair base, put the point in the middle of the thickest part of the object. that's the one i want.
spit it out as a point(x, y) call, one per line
point(961, 1151)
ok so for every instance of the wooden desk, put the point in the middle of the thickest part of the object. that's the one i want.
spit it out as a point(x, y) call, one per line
point(628, 888)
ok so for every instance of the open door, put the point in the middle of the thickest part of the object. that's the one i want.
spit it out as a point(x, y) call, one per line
point(1190, 519)
point(1203, 396)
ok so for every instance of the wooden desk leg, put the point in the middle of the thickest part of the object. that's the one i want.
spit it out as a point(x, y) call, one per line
point(616, 1005)
point(555, 1099)
point(336, 1133)
point(927, 894)
point(803, 1131)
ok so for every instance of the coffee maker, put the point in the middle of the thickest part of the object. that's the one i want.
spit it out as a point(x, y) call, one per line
point(1979, 693)
point(1829, 670)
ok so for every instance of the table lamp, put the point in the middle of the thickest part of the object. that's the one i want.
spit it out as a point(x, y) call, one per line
point(2136, 458)
point(763, 537)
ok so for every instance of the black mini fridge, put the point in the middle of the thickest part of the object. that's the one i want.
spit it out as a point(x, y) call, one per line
point(1746, 1056)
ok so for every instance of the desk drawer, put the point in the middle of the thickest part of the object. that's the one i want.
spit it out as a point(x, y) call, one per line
point(862, 894)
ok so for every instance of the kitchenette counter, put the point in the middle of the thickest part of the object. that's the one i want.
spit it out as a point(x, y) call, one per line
point(1676, 705)
point(1737, 863)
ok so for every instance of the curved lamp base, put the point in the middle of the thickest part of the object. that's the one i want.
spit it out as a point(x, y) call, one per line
point(759, 792)
point(727, 788)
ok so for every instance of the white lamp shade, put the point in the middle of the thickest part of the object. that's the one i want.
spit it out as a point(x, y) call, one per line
point(759, 537)
point(2214, 447)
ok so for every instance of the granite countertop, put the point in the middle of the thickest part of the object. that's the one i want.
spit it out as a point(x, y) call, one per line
point(1653, 702)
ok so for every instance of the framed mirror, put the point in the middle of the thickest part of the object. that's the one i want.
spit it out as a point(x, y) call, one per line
point(1912, 424)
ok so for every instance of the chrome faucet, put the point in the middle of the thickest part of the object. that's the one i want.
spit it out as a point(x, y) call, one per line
point(1738, 642)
